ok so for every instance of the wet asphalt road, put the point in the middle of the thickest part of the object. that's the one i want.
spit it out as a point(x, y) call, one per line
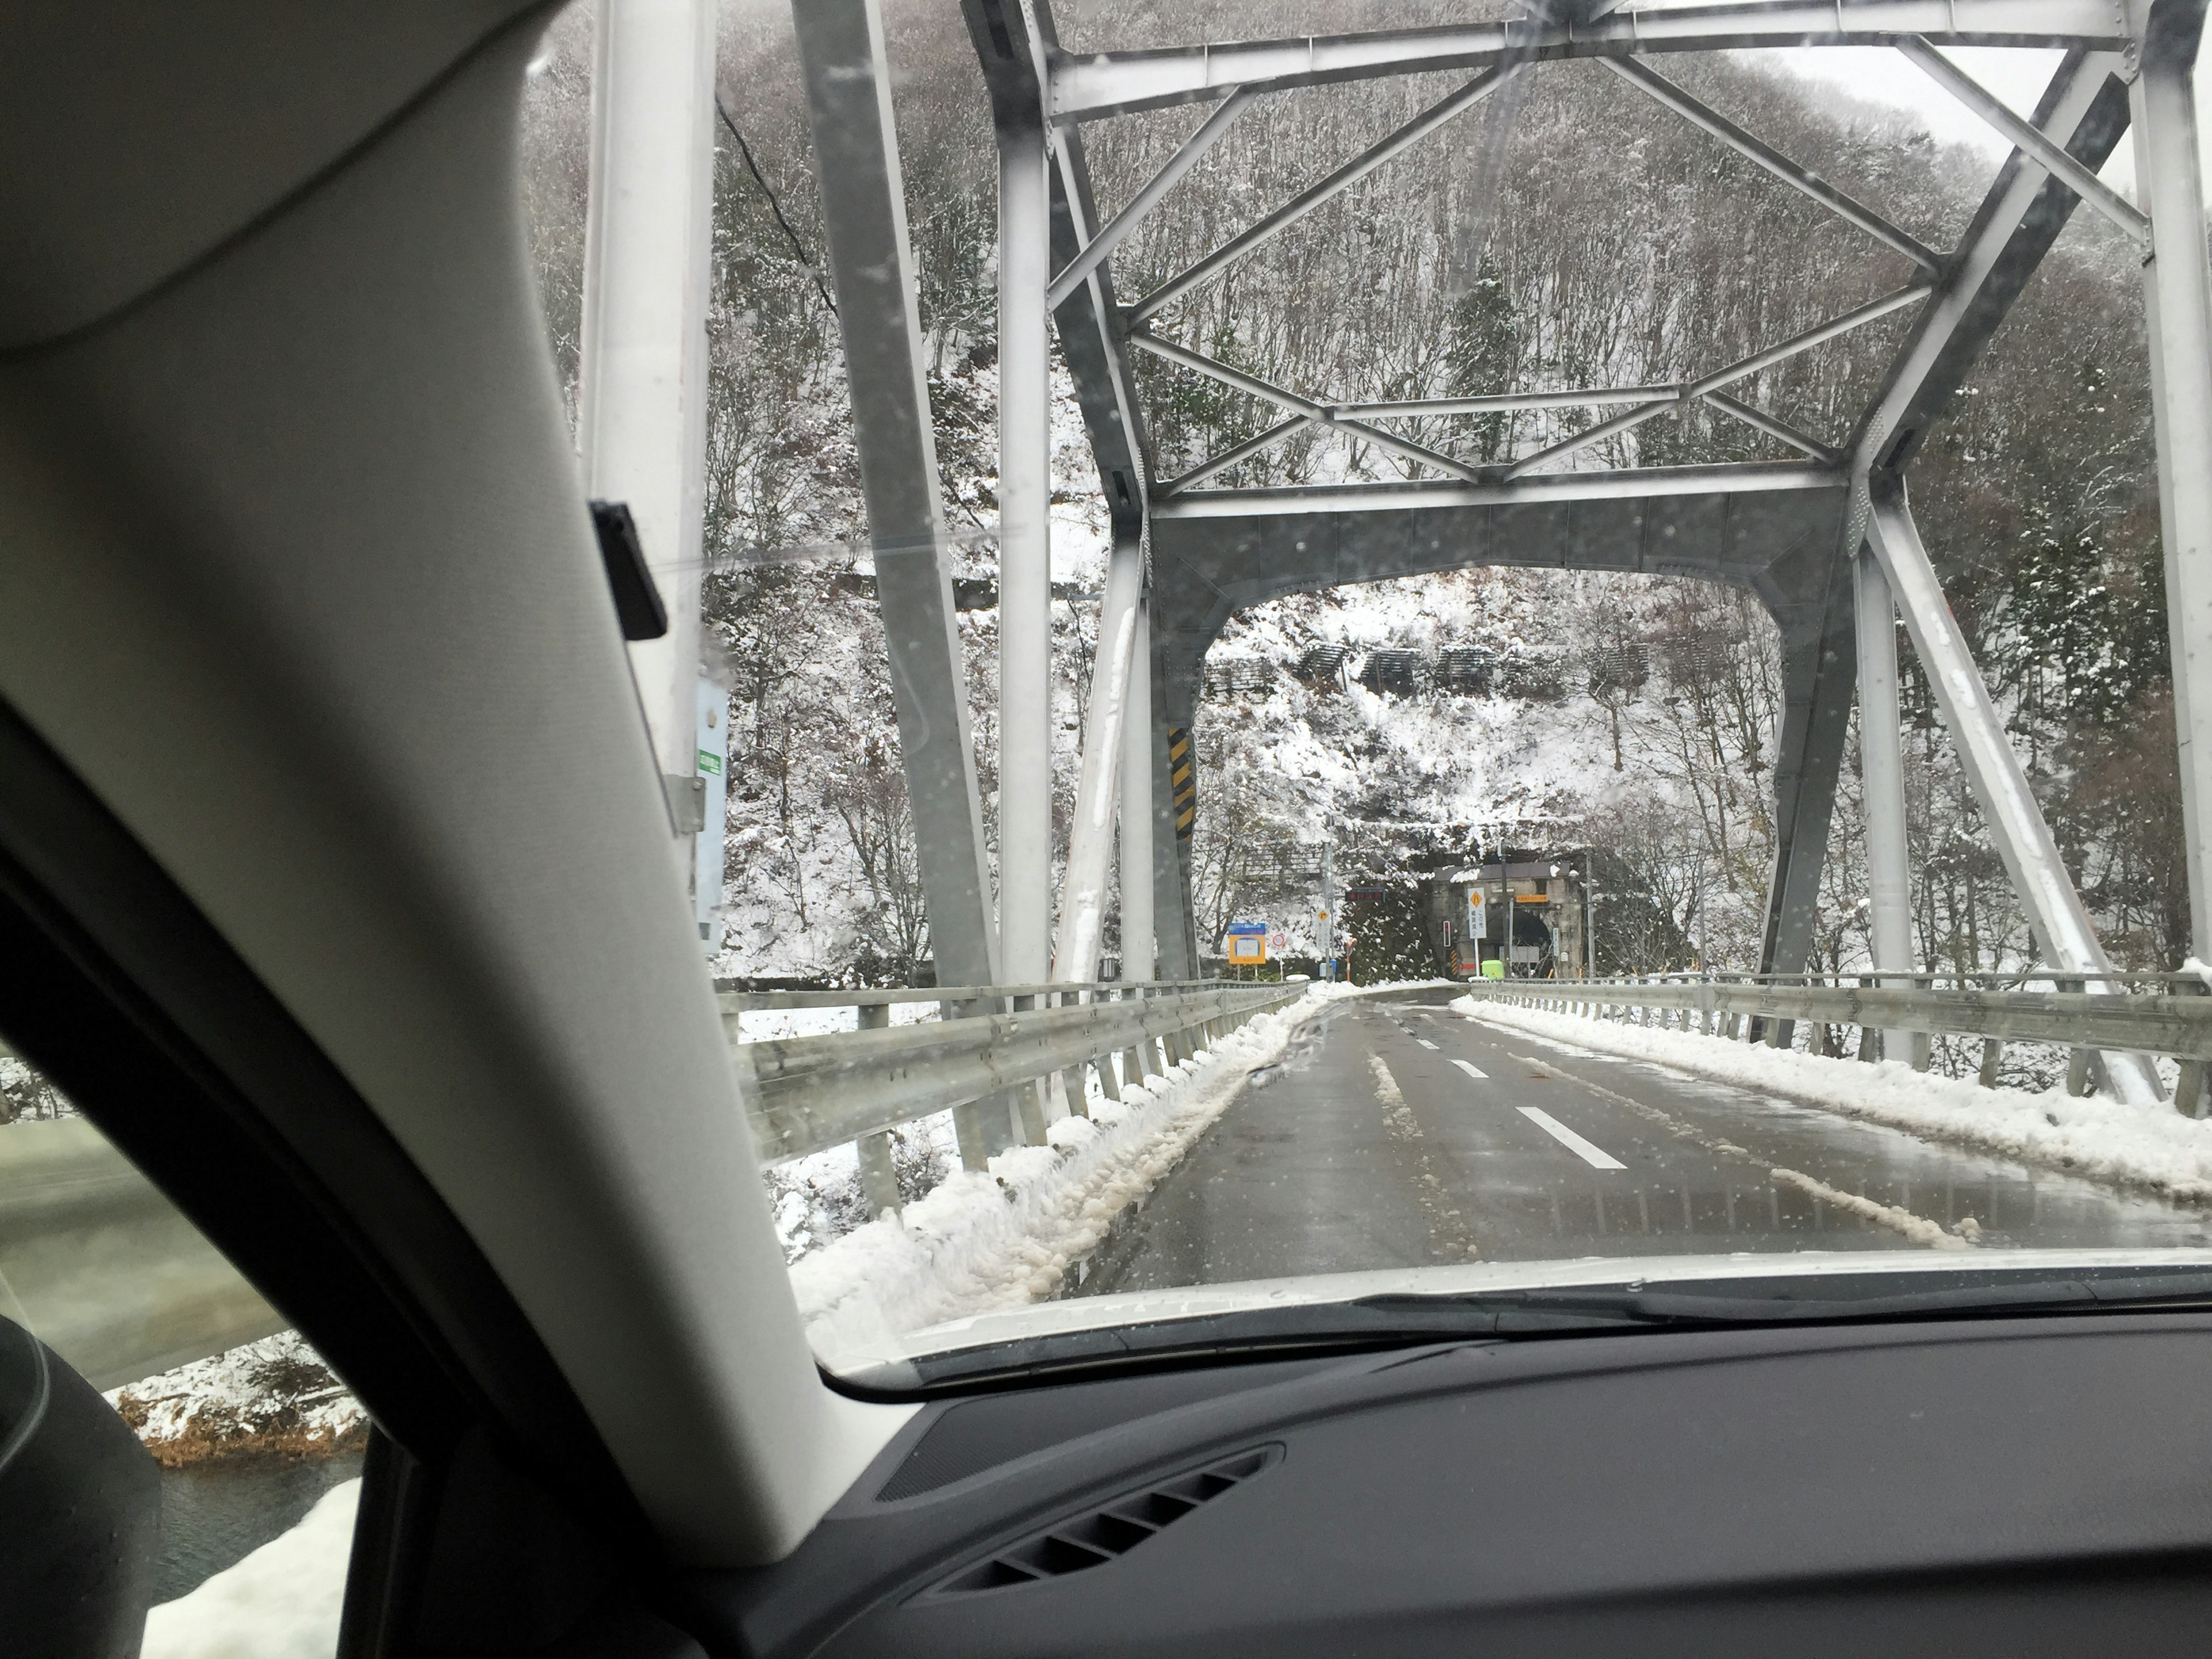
point(1397, 1133)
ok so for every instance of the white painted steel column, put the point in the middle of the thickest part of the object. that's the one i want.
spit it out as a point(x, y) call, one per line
point(1881, 760)
point(1091, 838)
point(1138, 949)
point(647, 241)
point(2016, 827)
point(1025, 560)
point(2178, 306)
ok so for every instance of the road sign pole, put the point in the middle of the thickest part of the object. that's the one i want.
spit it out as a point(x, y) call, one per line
point(1327, 908)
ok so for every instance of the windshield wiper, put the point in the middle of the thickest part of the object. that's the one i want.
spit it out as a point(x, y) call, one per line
point(1404, 1319)
point(1717, 1302)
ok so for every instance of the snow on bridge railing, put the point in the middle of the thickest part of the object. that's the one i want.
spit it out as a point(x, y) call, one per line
point(2141, 1013)
point(994, 1051)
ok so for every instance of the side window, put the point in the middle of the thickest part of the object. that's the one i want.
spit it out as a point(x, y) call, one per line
point(259, 1446)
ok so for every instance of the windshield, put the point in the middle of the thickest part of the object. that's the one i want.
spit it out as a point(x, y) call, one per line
point(1314, 680)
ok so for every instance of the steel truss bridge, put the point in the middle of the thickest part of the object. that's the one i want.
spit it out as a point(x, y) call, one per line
point(1826, 541)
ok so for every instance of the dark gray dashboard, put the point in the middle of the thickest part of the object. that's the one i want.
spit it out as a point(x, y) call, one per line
point(1998, 1486)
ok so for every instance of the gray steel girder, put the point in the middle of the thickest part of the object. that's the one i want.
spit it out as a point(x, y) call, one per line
point(1808, 592)
point(1088, 85)
point(1089, 321)
point(2018, 222)
point(840, 44)
point(1205, 570)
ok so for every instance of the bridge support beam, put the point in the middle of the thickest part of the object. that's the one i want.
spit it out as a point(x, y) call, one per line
point(1818, 665)
point(1881, 761)
point(1993, 771)
point(841, 48)
point(2177, 308)
point(1091, 837)
point(1024, 555)
point(1137, 744)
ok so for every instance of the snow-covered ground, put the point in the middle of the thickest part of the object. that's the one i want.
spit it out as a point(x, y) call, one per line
point(2089, 1136)
point(282, 1602)
point(270, 1397)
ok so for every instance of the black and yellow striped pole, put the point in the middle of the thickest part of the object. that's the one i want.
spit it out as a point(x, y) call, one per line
point(1182, 777)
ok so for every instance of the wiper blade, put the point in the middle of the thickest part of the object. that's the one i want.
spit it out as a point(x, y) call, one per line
point(1717, 1303)
point(1409, 1319)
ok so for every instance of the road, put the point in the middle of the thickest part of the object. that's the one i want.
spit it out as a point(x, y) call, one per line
point(1397, 1133)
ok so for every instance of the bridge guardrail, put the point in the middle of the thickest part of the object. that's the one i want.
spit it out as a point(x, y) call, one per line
point(812, 1093)
point(2146, 1013)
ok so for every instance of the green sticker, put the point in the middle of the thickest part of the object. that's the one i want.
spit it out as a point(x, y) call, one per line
point(710, 765)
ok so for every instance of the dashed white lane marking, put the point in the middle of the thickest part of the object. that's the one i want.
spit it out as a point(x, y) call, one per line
point(1596, 1157)
point(1425, 1043)
point(1480, 1076)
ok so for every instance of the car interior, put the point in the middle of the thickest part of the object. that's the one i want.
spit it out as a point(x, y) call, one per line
point(304, 628)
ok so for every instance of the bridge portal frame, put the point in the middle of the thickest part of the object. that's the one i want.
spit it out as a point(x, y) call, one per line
point(1212, 549)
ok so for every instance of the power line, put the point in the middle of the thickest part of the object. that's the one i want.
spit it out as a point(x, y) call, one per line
point(798, 247)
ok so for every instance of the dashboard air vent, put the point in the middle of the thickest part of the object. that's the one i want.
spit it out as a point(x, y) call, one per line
point(1099, 1535)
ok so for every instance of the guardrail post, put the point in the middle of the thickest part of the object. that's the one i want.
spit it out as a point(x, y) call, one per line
point(2077, 1060)
point(1923, 1042)
point(1992, 1053)
point(2189, 1089)
point(1108, 1086)
point(1029, 1098)
point(1072, 1080)
point(1133, 1057)
point(978, 1129)
point(2189, 1086)
point(879, 1178)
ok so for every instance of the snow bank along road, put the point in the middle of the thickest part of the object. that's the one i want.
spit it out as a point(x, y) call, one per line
point(1395, 1132)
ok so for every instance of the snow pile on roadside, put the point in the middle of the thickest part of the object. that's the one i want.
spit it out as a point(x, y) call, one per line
point(270, 1397)
point(2088, 1136)
point(1004, 1239)
point(281, 1602)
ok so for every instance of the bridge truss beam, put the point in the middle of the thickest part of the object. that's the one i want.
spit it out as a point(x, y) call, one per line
point(842, 55)
point(1088, 86)
point(1212, 546)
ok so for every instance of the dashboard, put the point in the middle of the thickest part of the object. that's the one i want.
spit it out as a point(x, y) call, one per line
point(2013, 1485)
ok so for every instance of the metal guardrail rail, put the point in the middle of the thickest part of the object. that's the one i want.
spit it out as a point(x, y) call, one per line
point(2144, 1013)
point(812, 1093)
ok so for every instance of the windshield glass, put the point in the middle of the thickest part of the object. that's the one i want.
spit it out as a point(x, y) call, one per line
point(1497, 651)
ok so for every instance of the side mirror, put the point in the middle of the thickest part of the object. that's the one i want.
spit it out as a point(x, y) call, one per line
point(80, 1512)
